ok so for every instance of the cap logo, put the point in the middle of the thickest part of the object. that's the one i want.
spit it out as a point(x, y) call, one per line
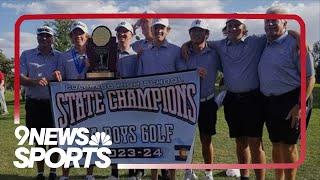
point(198, 22)
point(77, 24)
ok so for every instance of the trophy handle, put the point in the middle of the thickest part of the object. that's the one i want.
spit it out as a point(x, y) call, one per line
point(101, 60)
point(107, 63)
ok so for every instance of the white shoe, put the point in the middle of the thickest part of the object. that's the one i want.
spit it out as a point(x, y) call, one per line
point(139, 175)
point(5, 113)
point(112, 178)
point(132, 178)
point(64, 178)
point(89, 177)
point(190, 175)
point(233, 172)
point(208, 177)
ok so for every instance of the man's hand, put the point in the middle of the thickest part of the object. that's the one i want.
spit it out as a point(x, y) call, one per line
point(202, 72)
point(184, 50)
point(87, 62)
point(294, 115)
point(139, 50)
point(57, 75)
point(42, 82)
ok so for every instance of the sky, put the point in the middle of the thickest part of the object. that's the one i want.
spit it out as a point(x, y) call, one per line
point(10, 11)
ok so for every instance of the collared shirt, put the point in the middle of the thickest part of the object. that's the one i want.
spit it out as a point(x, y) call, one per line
point(141, 44)
point(127, 63)
point(163, 59)
point(208, 59)
point(279, 67)
point(240, 62)
point(67, 65)
point(35, 65)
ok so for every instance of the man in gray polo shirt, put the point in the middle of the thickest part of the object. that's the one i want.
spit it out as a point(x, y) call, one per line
point(37, 66)
point(161, 57)
point(73, 65)
point(279, 74)
point(207, 62)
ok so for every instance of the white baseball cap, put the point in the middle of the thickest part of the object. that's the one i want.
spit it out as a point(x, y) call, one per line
point(164, 22)
point(233, 19)
point(126, 25)
point(45, 30)
point(81, 25)
point(200, 23)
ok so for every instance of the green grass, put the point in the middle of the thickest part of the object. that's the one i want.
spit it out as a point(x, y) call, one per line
point(224, 149)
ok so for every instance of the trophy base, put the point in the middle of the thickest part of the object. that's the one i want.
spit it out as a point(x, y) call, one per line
point(100, 75)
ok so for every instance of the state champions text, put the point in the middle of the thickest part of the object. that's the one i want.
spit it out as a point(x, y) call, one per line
point(175, 100)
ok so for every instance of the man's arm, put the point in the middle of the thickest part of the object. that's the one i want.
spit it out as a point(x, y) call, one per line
point(26, 81)
point(310, 85)
point(296, 35)
point(294, 113)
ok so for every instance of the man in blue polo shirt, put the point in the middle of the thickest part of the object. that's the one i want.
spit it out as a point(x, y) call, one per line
point(207, 62)
point(279, 74)
point(73, 65)
point(127, 57)
point(161, 57)
point(126, 67)
point(36, 70)
point(240, 56)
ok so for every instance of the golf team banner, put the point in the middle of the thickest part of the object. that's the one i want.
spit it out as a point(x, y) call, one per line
point(149, 119)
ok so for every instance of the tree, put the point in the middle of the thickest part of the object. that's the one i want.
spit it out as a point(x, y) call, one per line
point(62, 29)
point(316, 56)
point(6, 66)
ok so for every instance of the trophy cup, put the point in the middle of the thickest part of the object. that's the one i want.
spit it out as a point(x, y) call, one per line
point(102, 54)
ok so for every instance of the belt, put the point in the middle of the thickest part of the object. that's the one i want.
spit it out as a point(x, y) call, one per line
point(282, 97)
point(244, 94)
point(207, 98)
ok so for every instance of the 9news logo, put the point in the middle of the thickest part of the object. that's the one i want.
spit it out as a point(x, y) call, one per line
point(70, 138)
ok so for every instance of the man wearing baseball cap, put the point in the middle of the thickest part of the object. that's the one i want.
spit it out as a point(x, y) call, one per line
point(161, 57)
point(242, 105)
point(36, 68)
point(207, 62)
point(73, 65)
point(127, 58)
point(126, 67)
point(279, 73)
